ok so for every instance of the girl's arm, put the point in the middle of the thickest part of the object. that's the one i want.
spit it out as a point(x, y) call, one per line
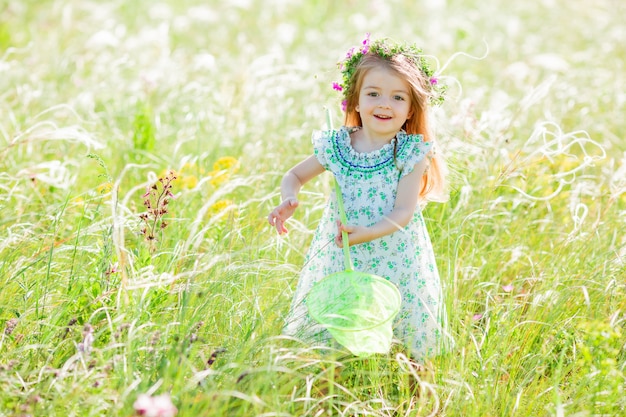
point(403, 209)
point(290, 186)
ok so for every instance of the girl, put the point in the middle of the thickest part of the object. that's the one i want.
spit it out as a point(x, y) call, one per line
point(384, 162)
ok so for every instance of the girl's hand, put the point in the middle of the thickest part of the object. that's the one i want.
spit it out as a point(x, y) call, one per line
point(280, 214)
point(356, 234)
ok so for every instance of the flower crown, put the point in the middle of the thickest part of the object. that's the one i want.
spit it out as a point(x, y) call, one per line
point(387, 49)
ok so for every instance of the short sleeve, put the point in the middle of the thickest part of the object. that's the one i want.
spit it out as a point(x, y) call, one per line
point(322, 147)
point(411, 150)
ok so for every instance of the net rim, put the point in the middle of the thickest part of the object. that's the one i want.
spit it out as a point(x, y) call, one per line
point(375, 278)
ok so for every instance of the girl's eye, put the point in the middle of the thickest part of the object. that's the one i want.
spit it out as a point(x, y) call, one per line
point(399, 98)
point(373, 94)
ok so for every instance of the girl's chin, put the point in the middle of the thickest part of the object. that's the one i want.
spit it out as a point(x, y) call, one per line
point(385, 124)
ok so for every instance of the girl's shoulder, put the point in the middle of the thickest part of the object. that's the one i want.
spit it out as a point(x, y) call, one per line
point(325, 144)
point(412, 142)
point(411, 138)
point(327, 134)
point(331, 139)
point(411, 149)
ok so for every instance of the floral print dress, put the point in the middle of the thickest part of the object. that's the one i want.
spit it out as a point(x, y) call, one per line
point(369, 182)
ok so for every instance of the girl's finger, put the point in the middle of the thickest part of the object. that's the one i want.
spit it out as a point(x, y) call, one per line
point(280, 227)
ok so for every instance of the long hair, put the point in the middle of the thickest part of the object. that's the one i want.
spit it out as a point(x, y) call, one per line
point(434, 182)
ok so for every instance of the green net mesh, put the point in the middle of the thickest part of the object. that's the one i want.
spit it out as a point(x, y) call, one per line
point(357, 309)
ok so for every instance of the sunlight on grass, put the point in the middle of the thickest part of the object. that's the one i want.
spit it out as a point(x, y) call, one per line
point(101, 99)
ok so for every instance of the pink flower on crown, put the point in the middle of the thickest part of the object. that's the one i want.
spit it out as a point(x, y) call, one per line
point(344, 105)
point(366, 43)
point(350, 53)
point(433, 81)
point(337, 87)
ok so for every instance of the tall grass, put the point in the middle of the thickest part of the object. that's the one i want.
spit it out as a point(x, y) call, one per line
point(98, 100)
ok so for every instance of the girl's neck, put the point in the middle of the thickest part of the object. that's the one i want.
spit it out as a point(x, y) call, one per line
point(363, 143)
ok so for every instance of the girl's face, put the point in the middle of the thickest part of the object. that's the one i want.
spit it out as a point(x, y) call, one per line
point(384, 104)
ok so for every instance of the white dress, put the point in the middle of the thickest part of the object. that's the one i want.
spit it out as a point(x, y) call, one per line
point(369, 183)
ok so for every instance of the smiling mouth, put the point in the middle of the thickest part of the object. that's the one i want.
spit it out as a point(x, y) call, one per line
point(382, 116)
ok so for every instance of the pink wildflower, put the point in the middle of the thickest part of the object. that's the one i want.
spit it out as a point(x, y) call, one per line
point(337, 87)
point(113, 268)
point(477, 316)
point(350, 53)
point(507, 288)
point(159, 406)
point(344, 105)
point(433, 81)
point(88, 338)
point(366, 43)
point(10, 326)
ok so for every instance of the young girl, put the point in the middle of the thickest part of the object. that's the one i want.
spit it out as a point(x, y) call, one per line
point(384, 162)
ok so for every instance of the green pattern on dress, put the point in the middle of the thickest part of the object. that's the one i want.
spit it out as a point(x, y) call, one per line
point(369, 183)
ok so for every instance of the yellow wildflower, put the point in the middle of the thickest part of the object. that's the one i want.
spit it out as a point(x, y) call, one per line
point(104, 188)
point(188, 181)
point(218, 178)
point(223, 168)
point(226, 163)
point(220, 206)
point(185, 177)
point(78, 202)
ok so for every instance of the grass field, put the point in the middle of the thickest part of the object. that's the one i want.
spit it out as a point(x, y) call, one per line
point(102, 301)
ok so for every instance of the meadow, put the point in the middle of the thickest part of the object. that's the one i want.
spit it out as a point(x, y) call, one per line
point(141, 148)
